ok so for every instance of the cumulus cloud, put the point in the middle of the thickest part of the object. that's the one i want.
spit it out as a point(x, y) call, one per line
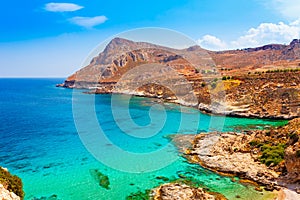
point(62, 7)
point(269, 33)
point(211, 42)
point(265, 33)
point(88, 22)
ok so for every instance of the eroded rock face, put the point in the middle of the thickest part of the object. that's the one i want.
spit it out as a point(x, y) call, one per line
point(292, 152)
point(176, 191)
point(292, 162)
point(6, 195)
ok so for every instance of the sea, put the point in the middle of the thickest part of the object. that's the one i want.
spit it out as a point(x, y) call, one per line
point(62, 142)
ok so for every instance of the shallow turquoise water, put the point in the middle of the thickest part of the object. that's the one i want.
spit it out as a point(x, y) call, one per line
point(40, 142)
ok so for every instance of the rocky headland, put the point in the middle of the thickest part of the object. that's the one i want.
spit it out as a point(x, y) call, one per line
point(260, 82)
point(269, 158)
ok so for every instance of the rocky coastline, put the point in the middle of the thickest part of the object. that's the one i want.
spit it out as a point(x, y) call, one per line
point(244, 83)
point(243, 155)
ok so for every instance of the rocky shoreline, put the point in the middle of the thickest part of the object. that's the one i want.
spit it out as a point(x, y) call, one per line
point(239, 154)
point(249, 83)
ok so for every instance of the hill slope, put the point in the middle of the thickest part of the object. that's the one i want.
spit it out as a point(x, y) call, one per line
point(253, 82)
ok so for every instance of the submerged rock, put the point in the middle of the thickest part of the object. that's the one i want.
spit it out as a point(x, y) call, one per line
point(101, 178)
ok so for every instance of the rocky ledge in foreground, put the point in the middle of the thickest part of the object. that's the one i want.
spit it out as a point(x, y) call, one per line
point(176, 191)
point(10, 186)
point(268, 157)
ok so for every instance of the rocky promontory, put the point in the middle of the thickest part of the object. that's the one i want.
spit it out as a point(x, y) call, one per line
point(260, 82)
point(268, 157)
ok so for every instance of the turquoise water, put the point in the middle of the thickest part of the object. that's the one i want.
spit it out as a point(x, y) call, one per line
point(40, 141)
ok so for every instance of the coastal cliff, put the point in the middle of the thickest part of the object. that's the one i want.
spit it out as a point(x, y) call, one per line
point(260, 82)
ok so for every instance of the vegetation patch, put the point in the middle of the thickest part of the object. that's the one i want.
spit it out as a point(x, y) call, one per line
point(11, 182)
point(298, 153)
point(140, 195)
point(272, 154)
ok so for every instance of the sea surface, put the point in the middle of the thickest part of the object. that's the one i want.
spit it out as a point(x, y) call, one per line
point(57, 139)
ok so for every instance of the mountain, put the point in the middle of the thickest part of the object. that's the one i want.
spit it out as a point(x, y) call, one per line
point(268, 56)
point(253, 82)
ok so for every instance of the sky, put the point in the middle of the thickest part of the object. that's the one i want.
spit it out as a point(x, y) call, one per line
point(48, 38)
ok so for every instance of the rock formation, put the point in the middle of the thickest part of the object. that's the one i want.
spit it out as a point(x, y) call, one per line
point(10, 186)
point(270, 157)
point(176, 191)
point(7, 195)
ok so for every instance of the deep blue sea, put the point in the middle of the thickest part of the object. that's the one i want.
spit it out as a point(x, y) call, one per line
point(56, 138)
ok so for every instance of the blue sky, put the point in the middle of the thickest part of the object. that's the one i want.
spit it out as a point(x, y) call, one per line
point(41, 38)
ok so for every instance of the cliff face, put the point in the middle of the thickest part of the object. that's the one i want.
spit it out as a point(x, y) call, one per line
point(292, 152)
point(255, 82)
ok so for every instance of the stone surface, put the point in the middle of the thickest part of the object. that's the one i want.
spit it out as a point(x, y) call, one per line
point(176, 191)
point(6, 195)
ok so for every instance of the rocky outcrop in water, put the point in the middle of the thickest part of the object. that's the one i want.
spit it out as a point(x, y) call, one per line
point(176, 191)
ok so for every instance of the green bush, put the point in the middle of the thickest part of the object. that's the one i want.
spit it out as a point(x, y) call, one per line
point(253, 143)
point(11, 182)
point(272, 154)
point(298, 153)
point(139, 195)
point(213, 85)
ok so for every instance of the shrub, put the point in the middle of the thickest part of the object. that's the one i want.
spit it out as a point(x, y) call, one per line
point(213, 85)
point(298, 153)
point(253, 143)
point(11, 182)
point(272, 154)
point(139, 195)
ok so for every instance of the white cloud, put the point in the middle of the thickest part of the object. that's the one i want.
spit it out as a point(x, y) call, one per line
point(289, 9)
point(62, 7)
point(211, 42)
point(265, 33)
point(88, 22)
